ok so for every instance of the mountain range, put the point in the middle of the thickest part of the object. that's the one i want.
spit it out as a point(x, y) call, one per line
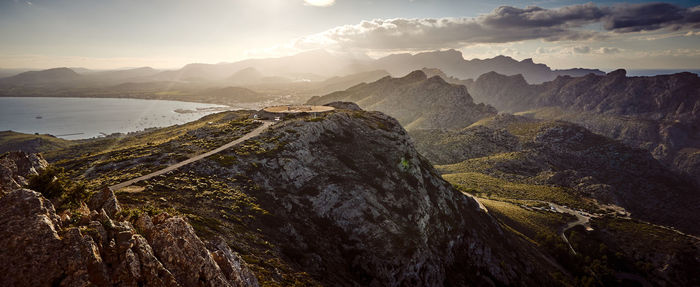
point(449, 128)
point(562, 154)
point(299, 68)
point(446, 106)
point(660, 114)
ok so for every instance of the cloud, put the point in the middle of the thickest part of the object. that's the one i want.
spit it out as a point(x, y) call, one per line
point(582, 50)
point(573, 50)
point(319, 3)
point(506, 24)
point(609, 50)
point(624, 18)
point(536, 17)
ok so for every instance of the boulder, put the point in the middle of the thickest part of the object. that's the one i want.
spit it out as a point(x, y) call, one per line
point(106, 200)
point(16, 167)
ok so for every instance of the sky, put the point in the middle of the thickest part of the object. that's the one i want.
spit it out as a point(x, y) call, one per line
point(167, 34)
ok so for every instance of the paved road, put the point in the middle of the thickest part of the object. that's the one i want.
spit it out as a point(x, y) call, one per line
point(581, 219)
point(254, 133)
point(481, 205)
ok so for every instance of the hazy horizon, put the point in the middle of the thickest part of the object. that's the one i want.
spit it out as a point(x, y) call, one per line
point(170, 34)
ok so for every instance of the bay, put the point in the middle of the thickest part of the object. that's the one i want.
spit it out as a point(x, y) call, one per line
point(80, 118)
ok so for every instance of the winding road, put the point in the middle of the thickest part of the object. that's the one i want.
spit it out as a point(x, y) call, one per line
point(252, 134)
point(582, 218)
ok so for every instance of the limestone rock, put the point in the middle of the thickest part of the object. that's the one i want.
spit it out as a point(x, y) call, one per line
point(358, 205)
point(184, 254)
point(38, 251)
point(233, 267)
point(106, 200)
point(344, 106)
point(16, 167)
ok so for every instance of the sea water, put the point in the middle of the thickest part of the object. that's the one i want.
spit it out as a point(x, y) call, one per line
point(80, 118)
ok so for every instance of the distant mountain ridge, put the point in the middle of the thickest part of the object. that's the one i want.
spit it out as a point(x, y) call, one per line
point(318, 65)
point(415, 100)
point(453, 63)
point(55, 75)
point(71, 77)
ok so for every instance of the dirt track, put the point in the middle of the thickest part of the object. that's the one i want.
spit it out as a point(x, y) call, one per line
point(254, 133)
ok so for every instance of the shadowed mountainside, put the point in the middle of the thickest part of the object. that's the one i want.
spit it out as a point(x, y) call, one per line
point(660, 114)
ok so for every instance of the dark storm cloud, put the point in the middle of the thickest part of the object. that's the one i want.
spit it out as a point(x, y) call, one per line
point(508, 24)
point(649, 17)
point(618, 18)
point(536, 17)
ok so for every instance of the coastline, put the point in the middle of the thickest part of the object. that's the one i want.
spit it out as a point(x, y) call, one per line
point(76, 118)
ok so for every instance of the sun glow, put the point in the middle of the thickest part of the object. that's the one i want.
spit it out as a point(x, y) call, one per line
point(319, 3)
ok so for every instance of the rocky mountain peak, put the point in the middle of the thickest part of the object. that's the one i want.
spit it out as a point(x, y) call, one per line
point(416, 101)
point(414, 76)
point(494, 77)
point(451, 54)
point(527, 61)
point(618, 73)
point(354, 176)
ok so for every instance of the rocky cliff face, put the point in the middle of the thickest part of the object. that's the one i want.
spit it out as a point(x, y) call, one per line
point(505, 93)
point(416, 101)
point(88, 246)
point(16, 168)
point(660, 114)
point(352, 203)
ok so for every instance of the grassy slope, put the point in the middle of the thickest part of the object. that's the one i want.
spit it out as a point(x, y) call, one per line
point(486, 186)
point(30, 143)
point(110, 160)
point(528, 222)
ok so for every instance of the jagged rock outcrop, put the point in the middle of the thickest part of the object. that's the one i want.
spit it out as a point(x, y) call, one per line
point(351, 202)
point(41, 249)
point(104, 200)
point(416, 101)
point(16, 167)
point(344, 106)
